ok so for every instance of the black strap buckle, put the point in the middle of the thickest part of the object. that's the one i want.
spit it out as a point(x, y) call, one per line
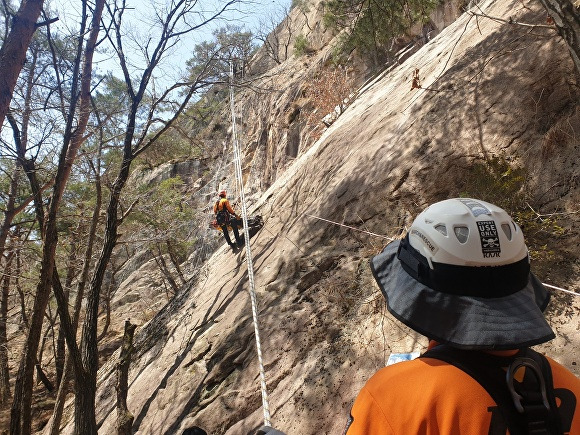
point(525, 400)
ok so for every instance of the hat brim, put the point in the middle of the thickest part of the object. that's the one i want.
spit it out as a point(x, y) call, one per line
point(509, 322)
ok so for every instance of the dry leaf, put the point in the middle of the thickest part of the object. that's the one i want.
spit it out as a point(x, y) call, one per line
point(416, 80)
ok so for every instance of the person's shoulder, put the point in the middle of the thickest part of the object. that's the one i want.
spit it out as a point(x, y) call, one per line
point(423, 380)
point(419, 370)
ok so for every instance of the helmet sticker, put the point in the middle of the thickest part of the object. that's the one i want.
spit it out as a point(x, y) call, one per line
point(425, 240)
point(489, 239)
point(477, 208)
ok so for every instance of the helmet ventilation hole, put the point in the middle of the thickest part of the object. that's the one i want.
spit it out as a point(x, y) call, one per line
point(462, 233)
point(507, 230)
point(441, 228)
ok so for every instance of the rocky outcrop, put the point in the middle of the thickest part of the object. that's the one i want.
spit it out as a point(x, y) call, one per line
point(282, 125)
point(188, 171)
point(489, 92)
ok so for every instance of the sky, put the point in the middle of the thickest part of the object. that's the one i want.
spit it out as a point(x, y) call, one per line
point(249, 14)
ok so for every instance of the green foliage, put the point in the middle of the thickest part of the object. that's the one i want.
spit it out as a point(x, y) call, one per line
point(301, 4)
point(183, 139)
point(502, 183)
point(205, 109)
point(339, 52)
point(7, 166)
point(496, 181)
point(300, 45)
point(112, 103)
point(26, 218)
point(542, 234)
point(534, 224)
point(171, 146)
point(211, 59)
point(209, 72)
point(163, 214)
point(372, 24)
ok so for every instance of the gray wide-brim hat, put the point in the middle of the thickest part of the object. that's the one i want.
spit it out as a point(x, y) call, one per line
point(468, 322)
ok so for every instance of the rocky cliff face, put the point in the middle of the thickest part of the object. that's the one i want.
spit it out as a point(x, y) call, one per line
point(275, 111)
point(496, 112)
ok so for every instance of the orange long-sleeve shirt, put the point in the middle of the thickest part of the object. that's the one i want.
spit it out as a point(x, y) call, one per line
point(223, 202)
point(429, 396)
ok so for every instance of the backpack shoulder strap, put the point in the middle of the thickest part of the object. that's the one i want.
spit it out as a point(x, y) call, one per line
point(527, 407)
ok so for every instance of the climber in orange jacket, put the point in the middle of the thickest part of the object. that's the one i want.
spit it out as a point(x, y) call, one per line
point(462, 277)
point(226, 216)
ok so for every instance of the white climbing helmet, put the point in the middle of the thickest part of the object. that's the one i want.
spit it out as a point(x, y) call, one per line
point(462, 276)
point(467, 232)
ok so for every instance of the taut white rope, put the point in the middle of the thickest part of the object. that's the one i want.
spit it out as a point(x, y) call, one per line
point(252, 289)
point(390, 238)
point(561, 289)
point(350, 228)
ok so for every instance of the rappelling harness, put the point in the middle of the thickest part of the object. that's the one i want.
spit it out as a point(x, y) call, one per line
point(524, 405)
point(222, 216)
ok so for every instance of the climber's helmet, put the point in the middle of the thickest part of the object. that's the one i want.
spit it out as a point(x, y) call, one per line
point(467, 232)
point(462, 276)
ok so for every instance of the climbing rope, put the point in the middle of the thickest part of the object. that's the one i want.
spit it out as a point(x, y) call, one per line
point(561, 289)
point(349, 227)
point(252, 289)
point(391, 239)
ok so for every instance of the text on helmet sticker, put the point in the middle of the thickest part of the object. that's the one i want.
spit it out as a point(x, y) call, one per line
point(424, 239)
point(477, 208)
point(489, 239)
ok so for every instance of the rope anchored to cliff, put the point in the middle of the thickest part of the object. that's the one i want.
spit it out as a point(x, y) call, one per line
point(391, 239)
point(252, 289)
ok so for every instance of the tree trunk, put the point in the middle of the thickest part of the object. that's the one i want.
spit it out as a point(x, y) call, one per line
point(43, 378)
point(567, 19)
point(53, 426)
point(9, 211)
point(4, 372)
point(23, 314)
point(20, 417)
point(124, 416)
point(13, 52)
point(69, 327)
point(175, 262)
point(107, 301)
point(162, 264)
point(60, 355)
point(84, 405)
point(9, 214)
point(85, 422)
point(85, 392)
point(20, 422)
point(70, 275)
point(54, 423)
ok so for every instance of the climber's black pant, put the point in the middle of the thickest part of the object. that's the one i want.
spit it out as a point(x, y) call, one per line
point(234, 225)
